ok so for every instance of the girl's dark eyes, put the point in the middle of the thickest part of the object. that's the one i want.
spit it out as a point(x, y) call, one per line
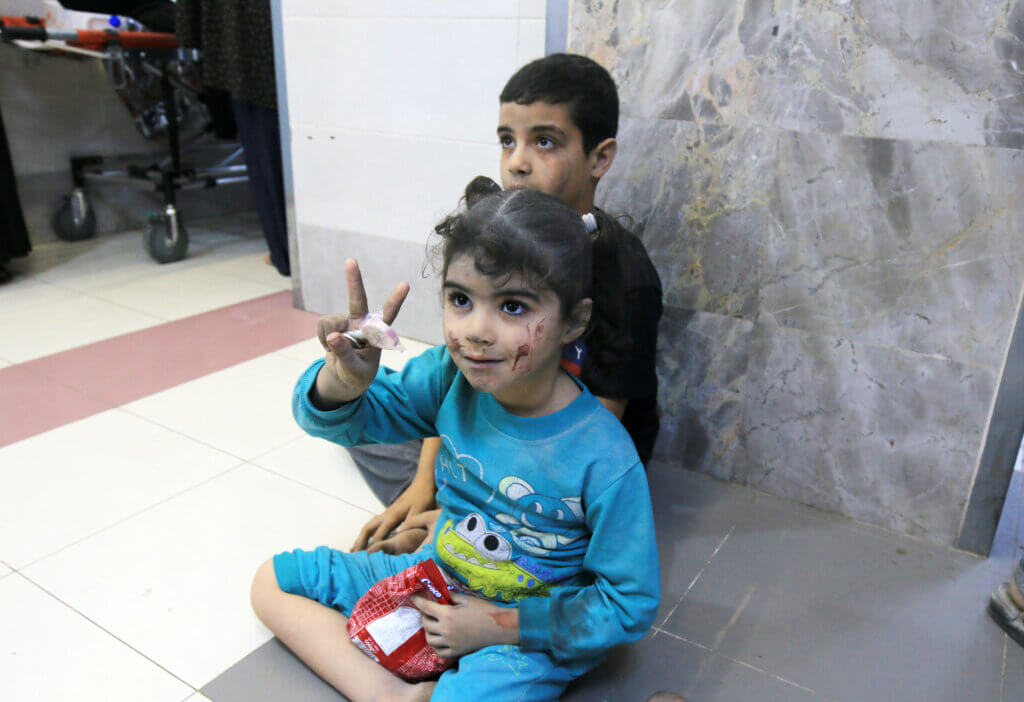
point(545, 142)
point(513, 307)
point(505, 141)
point(458, 299)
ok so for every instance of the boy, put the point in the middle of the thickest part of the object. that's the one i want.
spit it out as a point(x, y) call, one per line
point(557, 123)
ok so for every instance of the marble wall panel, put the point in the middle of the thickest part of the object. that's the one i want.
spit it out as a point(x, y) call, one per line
point(899, 244)
point(939, 70)
point(831, 192)
point(877, 434)
point(821, 420)
point(703, 361)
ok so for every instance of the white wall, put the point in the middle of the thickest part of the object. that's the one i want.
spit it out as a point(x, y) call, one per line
point(393, 106)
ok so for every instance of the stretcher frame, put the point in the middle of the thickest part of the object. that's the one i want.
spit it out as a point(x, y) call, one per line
point(166, 238)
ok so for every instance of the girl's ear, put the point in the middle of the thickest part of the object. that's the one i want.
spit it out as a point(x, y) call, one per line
point(579, 318)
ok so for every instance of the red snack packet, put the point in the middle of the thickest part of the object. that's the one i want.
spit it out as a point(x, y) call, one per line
point(387, 627)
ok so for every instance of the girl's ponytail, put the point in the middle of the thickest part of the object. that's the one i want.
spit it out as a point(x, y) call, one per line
point(479, 188)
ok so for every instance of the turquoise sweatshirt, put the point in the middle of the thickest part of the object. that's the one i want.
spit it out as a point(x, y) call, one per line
point(552, 513)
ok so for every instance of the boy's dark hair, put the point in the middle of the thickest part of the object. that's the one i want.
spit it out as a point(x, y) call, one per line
point(541, 238)
point(575, 81)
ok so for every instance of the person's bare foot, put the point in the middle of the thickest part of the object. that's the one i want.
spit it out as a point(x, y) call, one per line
point(266, 260)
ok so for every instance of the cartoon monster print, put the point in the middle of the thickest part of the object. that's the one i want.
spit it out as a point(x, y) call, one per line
point(524, 526)
point(483, 558)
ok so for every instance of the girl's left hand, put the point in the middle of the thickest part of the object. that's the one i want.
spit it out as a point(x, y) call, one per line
point(468, 625)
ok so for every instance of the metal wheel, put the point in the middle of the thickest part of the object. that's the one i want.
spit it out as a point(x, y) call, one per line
point(166, 239)
point(75, 219)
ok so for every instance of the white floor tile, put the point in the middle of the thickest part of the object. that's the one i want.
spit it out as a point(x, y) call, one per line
point(198, 697)
point(3, 363)
point(48, 652)
point(323, 466)
point(251, 267)
point(173, 582)
point(105, 262)
point(4, 570)
point(183, 293)
point(26, 293)
point(44, 327)
point(61, 486)
point(244, 410)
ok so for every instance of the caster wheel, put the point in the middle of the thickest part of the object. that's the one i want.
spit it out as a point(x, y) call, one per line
point(75, 220)
point(166, 239)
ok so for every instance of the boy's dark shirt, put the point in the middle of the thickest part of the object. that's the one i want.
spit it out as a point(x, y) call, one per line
point(635, 379)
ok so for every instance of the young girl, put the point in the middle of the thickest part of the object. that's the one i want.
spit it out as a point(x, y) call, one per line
point(546, 515)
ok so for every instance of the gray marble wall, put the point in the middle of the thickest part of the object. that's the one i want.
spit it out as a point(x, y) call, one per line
point(832, 192)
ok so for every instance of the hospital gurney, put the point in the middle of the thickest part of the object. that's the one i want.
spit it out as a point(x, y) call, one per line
point(158, 81)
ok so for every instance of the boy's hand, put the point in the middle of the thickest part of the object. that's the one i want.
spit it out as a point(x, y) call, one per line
point(468, 625)
point(411, 535)
point(347, 372)
point(411, 503)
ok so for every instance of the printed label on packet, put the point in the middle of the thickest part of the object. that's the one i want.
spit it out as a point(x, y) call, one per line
point(394, 629)
point(386, 626)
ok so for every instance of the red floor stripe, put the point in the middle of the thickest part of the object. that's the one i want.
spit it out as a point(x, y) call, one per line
point(48, 392)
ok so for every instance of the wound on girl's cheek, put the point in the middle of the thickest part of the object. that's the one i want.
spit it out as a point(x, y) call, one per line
point(521, 352)
point(453, 343)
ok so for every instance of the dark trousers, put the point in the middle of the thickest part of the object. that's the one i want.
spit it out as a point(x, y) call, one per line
point(13, 235)
point(261, 138)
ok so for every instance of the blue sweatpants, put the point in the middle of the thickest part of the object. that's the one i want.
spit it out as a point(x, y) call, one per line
point(338, 579)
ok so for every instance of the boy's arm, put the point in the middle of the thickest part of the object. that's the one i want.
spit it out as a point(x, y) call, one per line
point(622, 602)
point(415, 499)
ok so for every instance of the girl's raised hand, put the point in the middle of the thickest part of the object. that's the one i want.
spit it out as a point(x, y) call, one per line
point(347, 371)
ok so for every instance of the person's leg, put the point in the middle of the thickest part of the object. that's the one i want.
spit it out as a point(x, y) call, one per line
point(259, 132)
point(507, 673)
point(1017, 584)
point(1006, 605)
point(296, 595)
point(388, 469)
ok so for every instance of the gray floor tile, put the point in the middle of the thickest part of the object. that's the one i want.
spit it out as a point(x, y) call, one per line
point(1013, 675)
point(694, 514)
point(851, 612)
point(270, 674)
point(662, 662)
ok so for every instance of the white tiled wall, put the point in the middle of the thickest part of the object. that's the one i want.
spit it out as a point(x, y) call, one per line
point(393, 106)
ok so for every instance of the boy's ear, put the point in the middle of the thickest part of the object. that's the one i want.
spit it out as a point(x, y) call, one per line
point(579, 318)
point(602, 156)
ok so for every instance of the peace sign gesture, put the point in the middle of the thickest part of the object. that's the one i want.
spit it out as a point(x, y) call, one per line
point(348, 371)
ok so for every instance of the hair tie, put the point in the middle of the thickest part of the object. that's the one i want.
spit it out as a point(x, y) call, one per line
point(590, 222)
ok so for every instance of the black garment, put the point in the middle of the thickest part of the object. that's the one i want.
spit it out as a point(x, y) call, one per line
point(635, 379)
point(236, 40)
point(260, 135)
point(13, 234)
